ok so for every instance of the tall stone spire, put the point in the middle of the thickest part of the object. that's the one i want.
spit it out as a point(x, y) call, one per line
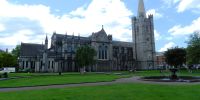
point(141, 9)
point(143, 39)
point(46, 39)
point(46, 42)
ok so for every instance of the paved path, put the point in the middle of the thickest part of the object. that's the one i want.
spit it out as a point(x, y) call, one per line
point(134, 79)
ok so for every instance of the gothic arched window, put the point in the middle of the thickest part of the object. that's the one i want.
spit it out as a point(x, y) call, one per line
point(99, 52)
point(106, 56)
point(103, 52)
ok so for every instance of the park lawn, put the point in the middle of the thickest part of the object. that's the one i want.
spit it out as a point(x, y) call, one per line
point(166, 73)
point(36, 74)
point(50, 79)
point(186, 73)
point(151, 73)
point(129, 91)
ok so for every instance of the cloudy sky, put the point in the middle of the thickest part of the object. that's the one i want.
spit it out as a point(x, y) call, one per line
point(30, 20)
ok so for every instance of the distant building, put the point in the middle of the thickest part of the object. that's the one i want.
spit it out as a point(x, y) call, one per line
point(160, 60)
point(111, 55)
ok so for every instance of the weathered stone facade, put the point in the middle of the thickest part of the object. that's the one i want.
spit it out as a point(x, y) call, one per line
point(111, 55)
point(143, 39)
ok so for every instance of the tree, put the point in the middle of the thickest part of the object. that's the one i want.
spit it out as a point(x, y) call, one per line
point(85, 57)
point(16, 51)
point(7, 60)
point(175, 56)
point(193, 49)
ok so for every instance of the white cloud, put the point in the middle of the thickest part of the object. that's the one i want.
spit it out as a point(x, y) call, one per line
point(157, 35)
point(113, 14)
point(2, 28)
point(167, 46)
point(169, 3)
point(183, 5)
point(155, 13)
point(179, 30)
point(188, 4)
point(17, 37)
point(169, 38)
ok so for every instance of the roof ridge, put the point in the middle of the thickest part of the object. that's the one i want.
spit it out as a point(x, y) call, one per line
point(32, 43)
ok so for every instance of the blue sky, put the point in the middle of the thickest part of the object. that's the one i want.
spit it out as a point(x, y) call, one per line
point(30, 20)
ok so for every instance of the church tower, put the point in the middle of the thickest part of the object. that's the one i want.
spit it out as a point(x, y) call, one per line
point(143, 39)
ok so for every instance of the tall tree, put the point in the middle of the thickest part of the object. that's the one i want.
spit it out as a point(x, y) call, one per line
point(193, 49)
point(85, 57)
point(16, 51)
point(7, 60)
point(175, 56)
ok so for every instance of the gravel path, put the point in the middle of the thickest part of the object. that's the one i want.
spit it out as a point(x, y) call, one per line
point(134, 79)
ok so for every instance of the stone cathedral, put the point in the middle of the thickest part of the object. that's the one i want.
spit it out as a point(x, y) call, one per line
point(111, 55)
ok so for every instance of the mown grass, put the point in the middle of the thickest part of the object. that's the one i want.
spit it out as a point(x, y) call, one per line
point(167, 73)
point(50, 79)
point(36, 79)
point(110, 92)
point(129, 91)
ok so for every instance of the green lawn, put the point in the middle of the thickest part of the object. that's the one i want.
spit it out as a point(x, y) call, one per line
point(48, 79)
point(35, 79)
point(129, 91)
point(110, 92)
point(151, 73)
point(166, 73)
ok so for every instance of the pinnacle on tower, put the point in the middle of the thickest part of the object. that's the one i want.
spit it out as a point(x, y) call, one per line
point(46, 43)
point(46, 40)
point(141, 9)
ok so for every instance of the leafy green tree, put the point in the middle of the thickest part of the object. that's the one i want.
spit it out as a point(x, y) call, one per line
point(193, 49)
point(16, 51)
point(85, 57)
point(175, 56)
point(7, 60)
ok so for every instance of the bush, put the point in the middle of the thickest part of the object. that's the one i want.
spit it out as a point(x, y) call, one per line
point(5, 75)
point(26, 70)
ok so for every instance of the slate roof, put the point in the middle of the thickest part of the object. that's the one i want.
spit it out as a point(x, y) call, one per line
point(28, 49)
point(50, 54)
point(123, 44)
point(102, 31)
point(159, 53)
point(70, 38)
point(99, 33)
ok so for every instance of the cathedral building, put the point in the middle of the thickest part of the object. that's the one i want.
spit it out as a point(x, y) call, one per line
point(111, 55)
